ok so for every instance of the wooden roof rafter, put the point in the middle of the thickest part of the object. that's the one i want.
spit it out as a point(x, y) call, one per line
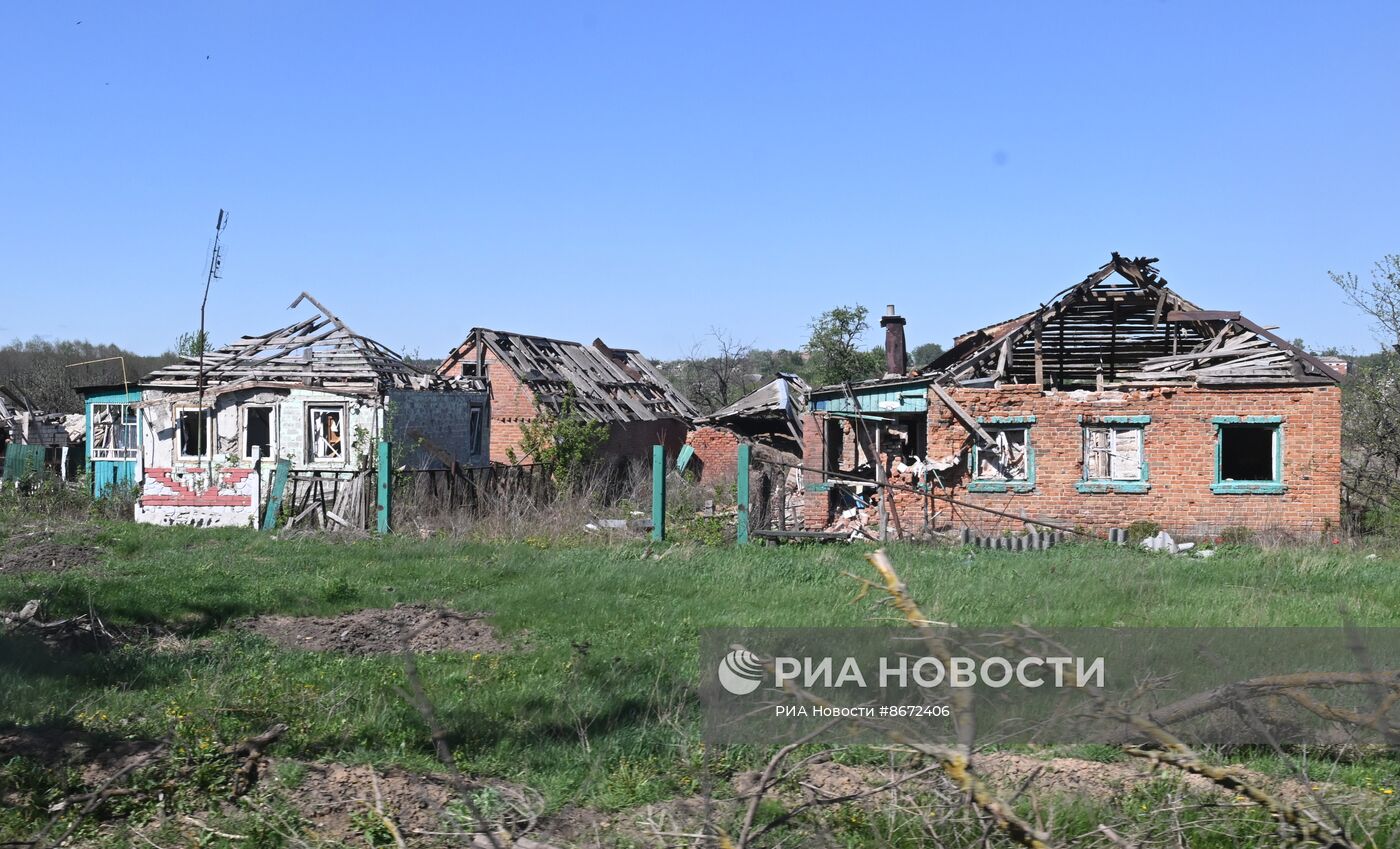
point(602, 383)
point(320, 351)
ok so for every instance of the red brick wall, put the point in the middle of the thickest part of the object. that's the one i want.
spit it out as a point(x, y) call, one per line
point(717, 449)
point(1179, 445)
point(634, 440)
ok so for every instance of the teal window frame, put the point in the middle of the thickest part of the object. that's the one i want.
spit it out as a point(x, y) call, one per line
point(998, 423)
point(1276, 486)
point(1101, 486)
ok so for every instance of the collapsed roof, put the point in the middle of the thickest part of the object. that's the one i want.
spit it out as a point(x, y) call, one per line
point(780, 403)
point(23, 424)
point(320, 352)
point(1122, 324)
point(604, 384)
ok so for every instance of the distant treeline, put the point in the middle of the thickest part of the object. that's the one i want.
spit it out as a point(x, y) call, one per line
point(39, 370)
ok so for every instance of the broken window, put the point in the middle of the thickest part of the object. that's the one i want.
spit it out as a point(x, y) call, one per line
point(1113, 453)
point(1249, 453)
point(257, 431)
point(327, 432)
point(194, 432)
point(1007, 459)
point(113, 432)
point(474, 429)
point(906, 437)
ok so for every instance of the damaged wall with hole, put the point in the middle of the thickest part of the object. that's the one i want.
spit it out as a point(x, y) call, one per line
point(1117, 402)
point(314, 393)
point(1180, 468)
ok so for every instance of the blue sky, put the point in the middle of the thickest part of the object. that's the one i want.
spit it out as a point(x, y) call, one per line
point(644, 172)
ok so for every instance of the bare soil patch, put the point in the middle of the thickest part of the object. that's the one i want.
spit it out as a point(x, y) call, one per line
point(382, 631)
point(338, 799)
point(97, 758)
point(44, 555)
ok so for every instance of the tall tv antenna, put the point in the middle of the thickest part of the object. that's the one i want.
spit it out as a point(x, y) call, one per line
point(215, 263)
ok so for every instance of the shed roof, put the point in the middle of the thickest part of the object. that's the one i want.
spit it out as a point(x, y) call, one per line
point(784, 399)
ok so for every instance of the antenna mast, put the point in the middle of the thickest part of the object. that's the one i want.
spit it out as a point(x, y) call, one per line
point(215, 261)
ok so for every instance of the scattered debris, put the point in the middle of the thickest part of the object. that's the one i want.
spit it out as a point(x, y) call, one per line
point(382, 631)
point(1163, 542)
point(85, 632)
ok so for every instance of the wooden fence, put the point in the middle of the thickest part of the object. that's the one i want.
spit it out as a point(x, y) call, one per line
point(473, 492)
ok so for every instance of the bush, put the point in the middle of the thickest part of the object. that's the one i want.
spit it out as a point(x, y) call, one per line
point(1139, 531)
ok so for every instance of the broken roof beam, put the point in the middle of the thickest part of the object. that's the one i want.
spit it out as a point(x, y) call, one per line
point(964, 418)
point(1202, 315)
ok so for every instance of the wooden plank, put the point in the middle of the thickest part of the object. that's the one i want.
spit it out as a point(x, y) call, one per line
point(383, 473)
point(658, 493)
point(1039, 359)
point(274, 501)
point(963, 417)
point(741, 490)
point(1203, 315)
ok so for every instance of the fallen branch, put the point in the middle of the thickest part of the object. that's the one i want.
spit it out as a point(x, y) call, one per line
point(1293, 687)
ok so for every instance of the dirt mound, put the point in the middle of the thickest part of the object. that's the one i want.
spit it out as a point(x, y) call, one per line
point(45, 556)
point(335, 797)
point(382, 631)
point(97, 758)
point(339, 799)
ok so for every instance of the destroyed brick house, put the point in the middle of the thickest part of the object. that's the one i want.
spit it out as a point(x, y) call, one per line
point(530, 376)
point(34, 443)
point(769, 419)
point(314, 393)
point(1117, 402)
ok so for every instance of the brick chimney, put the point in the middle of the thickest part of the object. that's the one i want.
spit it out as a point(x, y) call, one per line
point(896, 359)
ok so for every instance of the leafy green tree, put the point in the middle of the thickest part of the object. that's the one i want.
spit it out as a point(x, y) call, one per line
point(192, 344)
point(834, 347)
point(1371, 401)
point(563, 440)
point(925, 354)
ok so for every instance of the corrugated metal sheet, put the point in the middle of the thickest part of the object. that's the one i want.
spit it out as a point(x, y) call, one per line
point(904, 399)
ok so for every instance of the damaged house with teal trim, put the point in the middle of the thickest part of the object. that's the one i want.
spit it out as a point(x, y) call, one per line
point(1117, 401)
point(314, 398)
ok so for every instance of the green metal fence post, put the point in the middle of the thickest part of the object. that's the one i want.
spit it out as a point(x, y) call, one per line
point(658, 493)
point(741, 490)
point(383, 472)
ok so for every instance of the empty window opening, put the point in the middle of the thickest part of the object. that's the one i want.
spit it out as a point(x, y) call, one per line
point(326, 433)
point(906, 438)
point(113, 432)
point(835, 443)
point(1113, 453)
point(194, 433)
point(1247, 453)
point(257, 431)
point(474, 429)
point(1006, 458)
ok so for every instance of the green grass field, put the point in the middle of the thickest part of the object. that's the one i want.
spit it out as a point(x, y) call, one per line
point(596, 704)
